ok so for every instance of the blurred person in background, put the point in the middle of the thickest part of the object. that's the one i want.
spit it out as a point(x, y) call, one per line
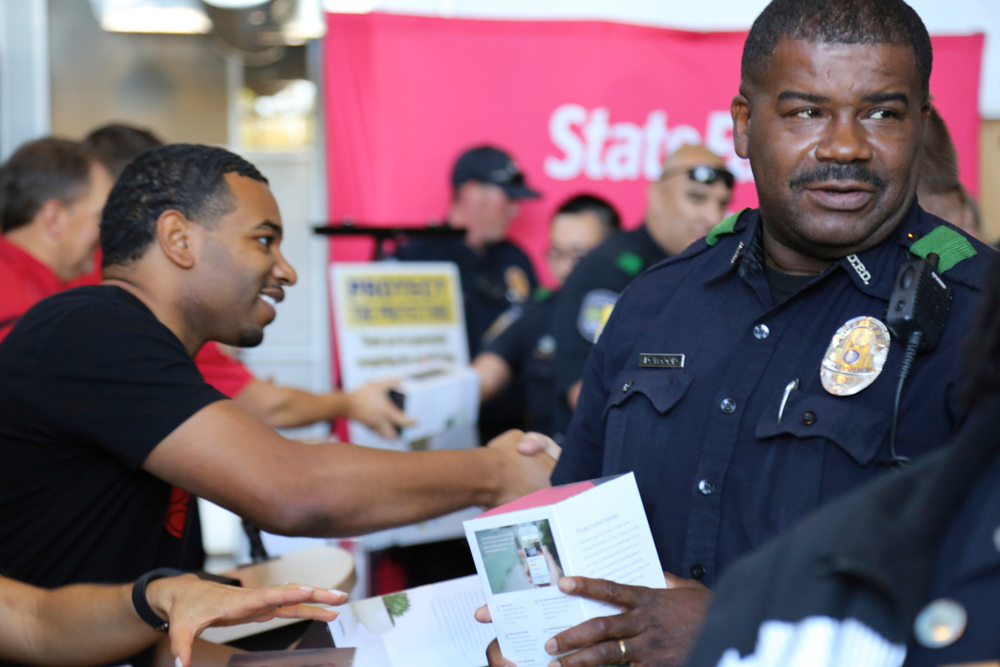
point(689, 199)
point(51, 195)
point(520, 347)
point(939, 191)
point(116, 145)
point(487, 186)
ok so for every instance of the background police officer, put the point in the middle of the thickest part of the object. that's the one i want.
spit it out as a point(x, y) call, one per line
point(520, 347)
point(721, 378)
point(690, 197)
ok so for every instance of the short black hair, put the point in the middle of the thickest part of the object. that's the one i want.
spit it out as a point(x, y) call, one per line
point(837, 22)
point(189, 178)
point(40, 171)
point(602, 208)
point(117, 144)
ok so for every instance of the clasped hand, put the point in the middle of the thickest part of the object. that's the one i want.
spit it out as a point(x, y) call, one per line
point(657, 626)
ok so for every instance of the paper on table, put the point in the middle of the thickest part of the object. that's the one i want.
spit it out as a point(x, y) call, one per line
point(430, 625)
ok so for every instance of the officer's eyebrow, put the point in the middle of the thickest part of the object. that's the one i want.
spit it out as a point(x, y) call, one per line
point(882, 98)
point(787, 95)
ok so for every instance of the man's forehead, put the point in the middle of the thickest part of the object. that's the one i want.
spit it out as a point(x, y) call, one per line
point(799, 62)
point(253, 202)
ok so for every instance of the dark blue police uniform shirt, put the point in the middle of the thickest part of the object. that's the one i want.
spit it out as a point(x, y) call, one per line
point(529, 348)
point(968, 572)
point(717, 482)
point(486, 284)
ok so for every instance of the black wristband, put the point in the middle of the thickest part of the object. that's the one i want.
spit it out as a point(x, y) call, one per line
point(140, 602)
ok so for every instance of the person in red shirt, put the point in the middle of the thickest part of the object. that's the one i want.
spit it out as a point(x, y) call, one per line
point(52, 192)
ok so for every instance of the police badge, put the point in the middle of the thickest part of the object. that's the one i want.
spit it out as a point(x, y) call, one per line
point(855, 356)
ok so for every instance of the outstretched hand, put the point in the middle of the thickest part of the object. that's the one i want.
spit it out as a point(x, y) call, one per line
point(191, 605)
point(372, 406)
point(524, 461)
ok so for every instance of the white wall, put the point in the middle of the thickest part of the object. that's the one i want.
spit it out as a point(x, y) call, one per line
point(940, 16)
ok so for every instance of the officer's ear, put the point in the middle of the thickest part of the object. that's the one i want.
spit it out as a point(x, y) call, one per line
point(740, 109)
point(178, 237)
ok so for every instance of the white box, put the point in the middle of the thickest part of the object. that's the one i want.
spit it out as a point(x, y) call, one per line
point(592, 529)
point(439, 400)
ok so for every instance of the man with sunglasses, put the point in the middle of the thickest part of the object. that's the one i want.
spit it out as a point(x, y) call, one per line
point(690, 198)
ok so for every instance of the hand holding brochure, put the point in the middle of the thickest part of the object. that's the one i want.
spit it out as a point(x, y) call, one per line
point(594, 529)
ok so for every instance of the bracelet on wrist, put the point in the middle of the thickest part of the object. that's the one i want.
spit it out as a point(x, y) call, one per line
point(140, 602)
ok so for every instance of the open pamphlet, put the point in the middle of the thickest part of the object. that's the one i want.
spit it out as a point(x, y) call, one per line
point(592, 529)
point(429, 626)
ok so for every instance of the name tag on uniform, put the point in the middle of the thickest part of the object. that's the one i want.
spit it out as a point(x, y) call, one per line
point(648, 360)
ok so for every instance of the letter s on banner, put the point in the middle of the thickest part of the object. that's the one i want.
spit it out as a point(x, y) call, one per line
point(562, 135)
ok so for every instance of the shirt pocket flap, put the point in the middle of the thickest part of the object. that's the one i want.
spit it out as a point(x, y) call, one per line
point(662, 387)
point(859, 431)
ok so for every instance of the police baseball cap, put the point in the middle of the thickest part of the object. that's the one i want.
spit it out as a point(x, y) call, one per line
point(486, 164)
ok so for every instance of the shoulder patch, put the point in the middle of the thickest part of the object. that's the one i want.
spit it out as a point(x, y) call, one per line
point(630, 263)
point(594, 313)
point(948, 244)
point(541, 295)
point(723, 228)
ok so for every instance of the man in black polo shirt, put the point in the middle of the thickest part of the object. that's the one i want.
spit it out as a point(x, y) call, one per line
point(106, 424)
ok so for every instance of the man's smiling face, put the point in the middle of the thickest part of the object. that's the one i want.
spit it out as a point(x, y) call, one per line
point(243, 271)
point(833, 133)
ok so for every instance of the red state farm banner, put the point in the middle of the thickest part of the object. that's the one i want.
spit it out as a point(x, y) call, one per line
point(582, 106)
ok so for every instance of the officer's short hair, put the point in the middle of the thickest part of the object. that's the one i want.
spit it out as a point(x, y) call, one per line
point(188, 178)
point(602, 208)
point(837, 22)
point(117, 144)
point(40, 171)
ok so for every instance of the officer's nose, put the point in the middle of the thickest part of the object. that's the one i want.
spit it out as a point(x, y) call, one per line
point(845, 140)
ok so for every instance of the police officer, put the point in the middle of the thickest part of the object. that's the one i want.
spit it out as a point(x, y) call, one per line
point(520, 346)
point(752, 378)
point(689, 198)
point(486, 188)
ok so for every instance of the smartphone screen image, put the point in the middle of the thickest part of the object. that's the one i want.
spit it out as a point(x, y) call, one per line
point(531, 544)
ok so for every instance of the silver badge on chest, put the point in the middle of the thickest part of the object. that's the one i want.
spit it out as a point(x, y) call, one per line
point(855, 356)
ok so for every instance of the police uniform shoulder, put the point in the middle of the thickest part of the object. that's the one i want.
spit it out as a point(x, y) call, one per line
point(720, 239)
point(541, 295)
point(962, 259)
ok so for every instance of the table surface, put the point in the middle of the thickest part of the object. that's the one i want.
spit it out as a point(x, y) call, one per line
point(320, 567)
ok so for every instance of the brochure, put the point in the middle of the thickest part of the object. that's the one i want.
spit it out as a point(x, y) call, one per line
point(427, 626)
point(592, 529)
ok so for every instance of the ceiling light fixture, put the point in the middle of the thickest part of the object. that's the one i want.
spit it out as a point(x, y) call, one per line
point(152, 16)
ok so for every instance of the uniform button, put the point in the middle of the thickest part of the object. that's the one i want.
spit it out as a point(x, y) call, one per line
point(728, 405)
point(761, 331)
point(996, 539)
point(706, 486)
point(940, 624)
point(627, 386)
point(809, 418)
point(697, 571)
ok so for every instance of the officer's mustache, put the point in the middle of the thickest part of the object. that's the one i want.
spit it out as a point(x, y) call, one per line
point(838, 172)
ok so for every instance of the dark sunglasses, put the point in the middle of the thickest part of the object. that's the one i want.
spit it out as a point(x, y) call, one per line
point(706, 175)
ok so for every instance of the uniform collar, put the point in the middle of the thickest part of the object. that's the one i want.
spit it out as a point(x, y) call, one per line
point(872, 271)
